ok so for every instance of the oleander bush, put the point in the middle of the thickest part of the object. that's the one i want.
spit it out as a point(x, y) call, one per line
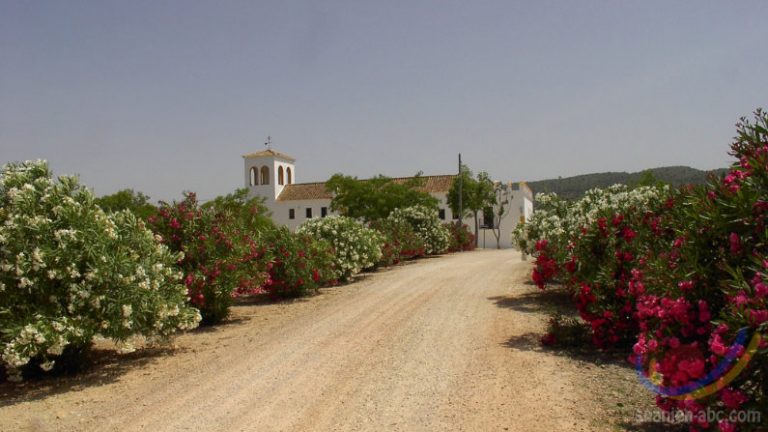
point(70, 272)
point(298, 264)
point(222, 257)
point(601, 259)
point(682, 274)
point(706, 292)
point(400, 241)
point(591, 246)
point(355, 247)
point(426, 224)
point(554, 221)
point(462, 239)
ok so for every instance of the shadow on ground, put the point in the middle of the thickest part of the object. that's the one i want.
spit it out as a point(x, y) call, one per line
point(607, 373)
point(218, 327)
point(583, 353)
point(270, 300)
point(538, 301)
point(652, 427)
point(549, 301)
point(102, 367)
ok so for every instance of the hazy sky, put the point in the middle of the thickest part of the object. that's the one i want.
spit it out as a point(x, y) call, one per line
point(164, 96)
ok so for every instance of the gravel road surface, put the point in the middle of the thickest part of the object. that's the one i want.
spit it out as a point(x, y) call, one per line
point(435, 345)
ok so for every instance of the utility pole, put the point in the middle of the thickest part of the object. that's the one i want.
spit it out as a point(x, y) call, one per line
point(461, 208)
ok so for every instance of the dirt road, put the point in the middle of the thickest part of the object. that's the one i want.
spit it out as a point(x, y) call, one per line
point(442, 344)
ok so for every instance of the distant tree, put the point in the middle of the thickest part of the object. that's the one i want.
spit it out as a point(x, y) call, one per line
point(477, 193)
point(646, 178)
point(573, 188)
point(127, 199)
point(244, 212)
point(376, 198)
point(500, 209)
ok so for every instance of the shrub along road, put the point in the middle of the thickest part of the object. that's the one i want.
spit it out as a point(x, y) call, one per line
point(446, 343)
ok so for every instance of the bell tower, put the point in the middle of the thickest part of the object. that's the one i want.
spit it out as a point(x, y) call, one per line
point(268, 172)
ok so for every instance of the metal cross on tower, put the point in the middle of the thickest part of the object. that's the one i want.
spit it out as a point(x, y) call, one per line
point(268, 143)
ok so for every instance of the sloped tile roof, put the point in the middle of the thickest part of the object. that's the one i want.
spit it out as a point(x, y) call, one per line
point(432, 184)
point(304, 191)
point(309, 191)
point(268, 153)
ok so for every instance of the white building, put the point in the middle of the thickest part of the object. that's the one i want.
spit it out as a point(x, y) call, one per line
point(272, 175)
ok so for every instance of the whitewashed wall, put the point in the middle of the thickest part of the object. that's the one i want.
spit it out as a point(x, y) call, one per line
point(273, 189)
point(281, 211)
point(521, 203)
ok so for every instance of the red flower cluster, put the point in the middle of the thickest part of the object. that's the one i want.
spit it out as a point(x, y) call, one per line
point(300, 264)
point(221, 260)
point(607, 283)
point(681, 279)
point(546, 266)
point(462, 238)
point(400, 241)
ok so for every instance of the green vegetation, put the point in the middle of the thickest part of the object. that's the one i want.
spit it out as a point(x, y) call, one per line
point(249, 213)
point(425, 223)
point(74, 267)
point(477, 193)
point(678, 275)
point(376, 198)
point(127, 199)
point(70, 271)
point(355, 247)
point(572, 188)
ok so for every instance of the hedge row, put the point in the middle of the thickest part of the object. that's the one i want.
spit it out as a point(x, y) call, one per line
point(70, 272)
point(680, 276)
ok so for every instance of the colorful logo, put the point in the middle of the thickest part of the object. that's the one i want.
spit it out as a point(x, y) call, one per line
point(717, 379)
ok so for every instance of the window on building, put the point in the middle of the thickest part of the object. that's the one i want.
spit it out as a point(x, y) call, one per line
point(323, 211)
point(265, 175)
point(309, 212)
point(254, 177)
point(487, 218)
point(441, 213)
point(288, 172)
point(291, 214)
point(280, 176)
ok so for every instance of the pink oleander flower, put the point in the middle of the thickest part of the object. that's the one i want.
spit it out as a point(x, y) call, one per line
point(726, 426)
point(732, 398)
point(718, 346)
point(758, 317)
point(735, 242)
point(761, 289)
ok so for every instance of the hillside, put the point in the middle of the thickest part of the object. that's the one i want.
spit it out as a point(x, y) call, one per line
point(574, 187)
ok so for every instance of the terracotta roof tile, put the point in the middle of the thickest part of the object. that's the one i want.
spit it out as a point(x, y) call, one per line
point(308, 191)
point(304, 191)
point(267, 153)
point(432, 184)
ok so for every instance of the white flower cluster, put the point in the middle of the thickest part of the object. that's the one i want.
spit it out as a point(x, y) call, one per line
point(68, 271)
point(427, 226)
point(356, 247)
point(558, 220)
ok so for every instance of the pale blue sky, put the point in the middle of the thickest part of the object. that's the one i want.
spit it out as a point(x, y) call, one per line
point(165, 96)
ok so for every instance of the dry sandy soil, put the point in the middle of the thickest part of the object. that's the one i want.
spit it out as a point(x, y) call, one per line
point(442, 344)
